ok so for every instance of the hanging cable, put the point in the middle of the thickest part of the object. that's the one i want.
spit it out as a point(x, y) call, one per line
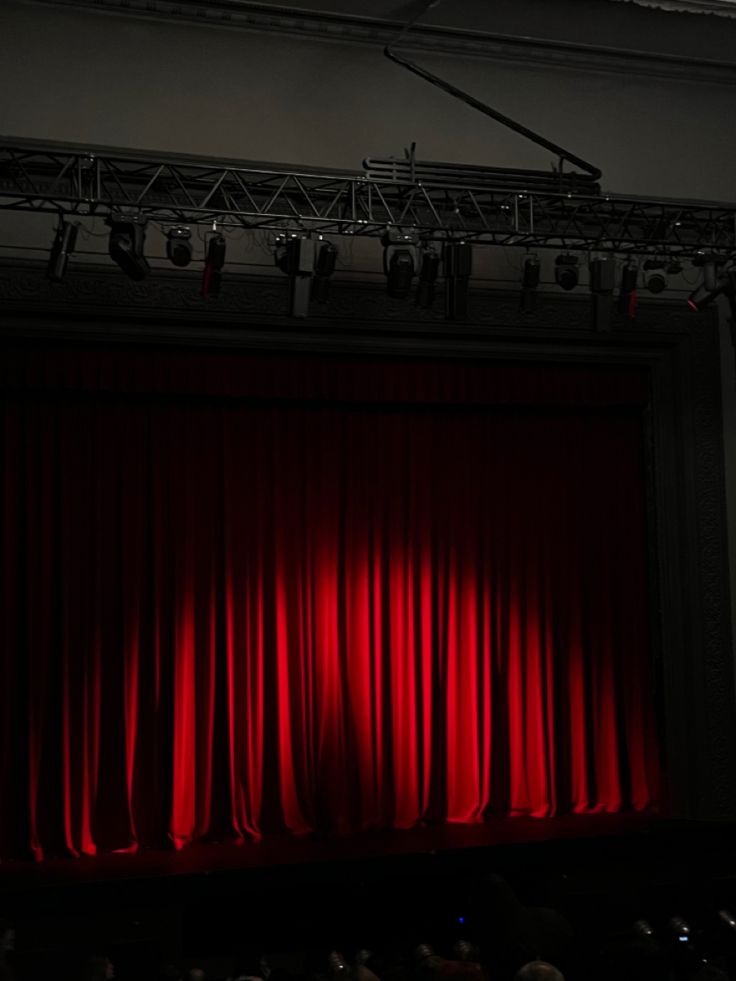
point(560, 152)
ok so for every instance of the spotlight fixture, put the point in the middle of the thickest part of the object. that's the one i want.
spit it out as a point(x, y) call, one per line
point(213, 263)
point(654, 279)
point(428, 272)
point(295, 257)
point(566, 271)
point(324, 267)
point(529, 282)
point(127, 241)
point(711, 288)
point(716, 281)
point(457, 258)
point(602, 274)
point(709, 262)
point(400, 263)
point(179, 245)
point(63, 247)
point(627, 293)
point(701, 296)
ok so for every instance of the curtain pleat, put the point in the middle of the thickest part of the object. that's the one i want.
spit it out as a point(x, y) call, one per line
point(224, 616)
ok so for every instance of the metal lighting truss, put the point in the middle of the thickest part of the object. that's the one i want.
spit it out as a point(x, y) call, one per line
point(78, 181)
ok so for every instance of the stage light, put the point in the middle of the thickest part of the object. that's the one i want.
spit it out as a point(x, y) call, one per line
point(701, 296)
point(566, 271)
point(324, 267)
point(711, 288)
point(530, 272)
point(127, 241)
point(295, 257)
point(602, 275)
point(400, 273)
point(627, 293)
point(654, 280)
point(709, 262)
point(64, 245)
point(710, 274)
point(179, 245)
point(457, 259)
point(400, 262)
point(428, 272)
point(529, 282)
point(213, 264)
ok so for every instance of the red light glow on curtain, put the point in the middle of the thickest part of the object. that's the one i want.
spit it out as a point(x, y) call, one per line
point(225, 615)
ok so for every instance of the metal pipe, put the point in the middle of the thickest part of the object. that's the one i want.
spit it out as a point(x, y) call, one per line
point(474, 103)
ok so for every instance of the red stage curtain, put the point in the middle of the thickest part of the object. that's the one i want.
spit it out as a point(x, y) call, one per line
point(241, 595)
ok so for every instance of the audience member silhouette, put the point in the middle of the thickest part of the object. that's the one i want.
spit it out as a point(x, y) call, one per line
point(538, 971)
point(7, 945)
point(100, 968)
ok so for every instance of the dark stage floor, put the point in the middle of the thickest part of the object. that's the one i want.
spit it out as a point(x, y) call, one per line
point(295, 893)
point(279, 850)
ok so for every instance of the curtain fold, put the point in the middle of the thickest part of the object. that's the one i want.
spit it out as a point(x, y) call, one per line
point(321, 608)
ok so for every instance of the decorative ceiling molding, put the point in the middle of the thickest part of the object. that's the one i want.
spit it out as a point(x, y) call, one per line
point(721, 8)
point(526, 51)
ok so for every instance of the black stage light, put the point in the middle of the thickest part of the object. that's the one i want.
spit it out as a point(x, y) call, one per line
point(602, 275)
point(400, 262)
point(399, 266)
point(213, 263)
point(627, 293)
point(428, 272)
point(295, 257)
point(64, 245)
point(710, 273)
point(179, 245)
point(710, 263)
point(529, 282)
point(701, 296)
point(324, 267)
point(566, 271)
point(711, 288)
point(457, 259)
point(655, 279)
point(127, 241)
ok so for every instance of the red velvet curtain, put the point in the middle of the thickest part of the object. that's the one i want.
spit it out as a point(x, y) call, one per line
point(247, 594)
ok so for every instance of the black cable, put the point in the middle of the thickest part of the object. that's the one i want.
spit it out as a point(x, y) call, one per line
point(474, 103)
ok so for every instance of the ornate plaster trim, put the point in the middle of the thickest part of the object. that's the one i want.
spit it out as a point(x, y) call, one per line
point(721, 8)
point(529, 52)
